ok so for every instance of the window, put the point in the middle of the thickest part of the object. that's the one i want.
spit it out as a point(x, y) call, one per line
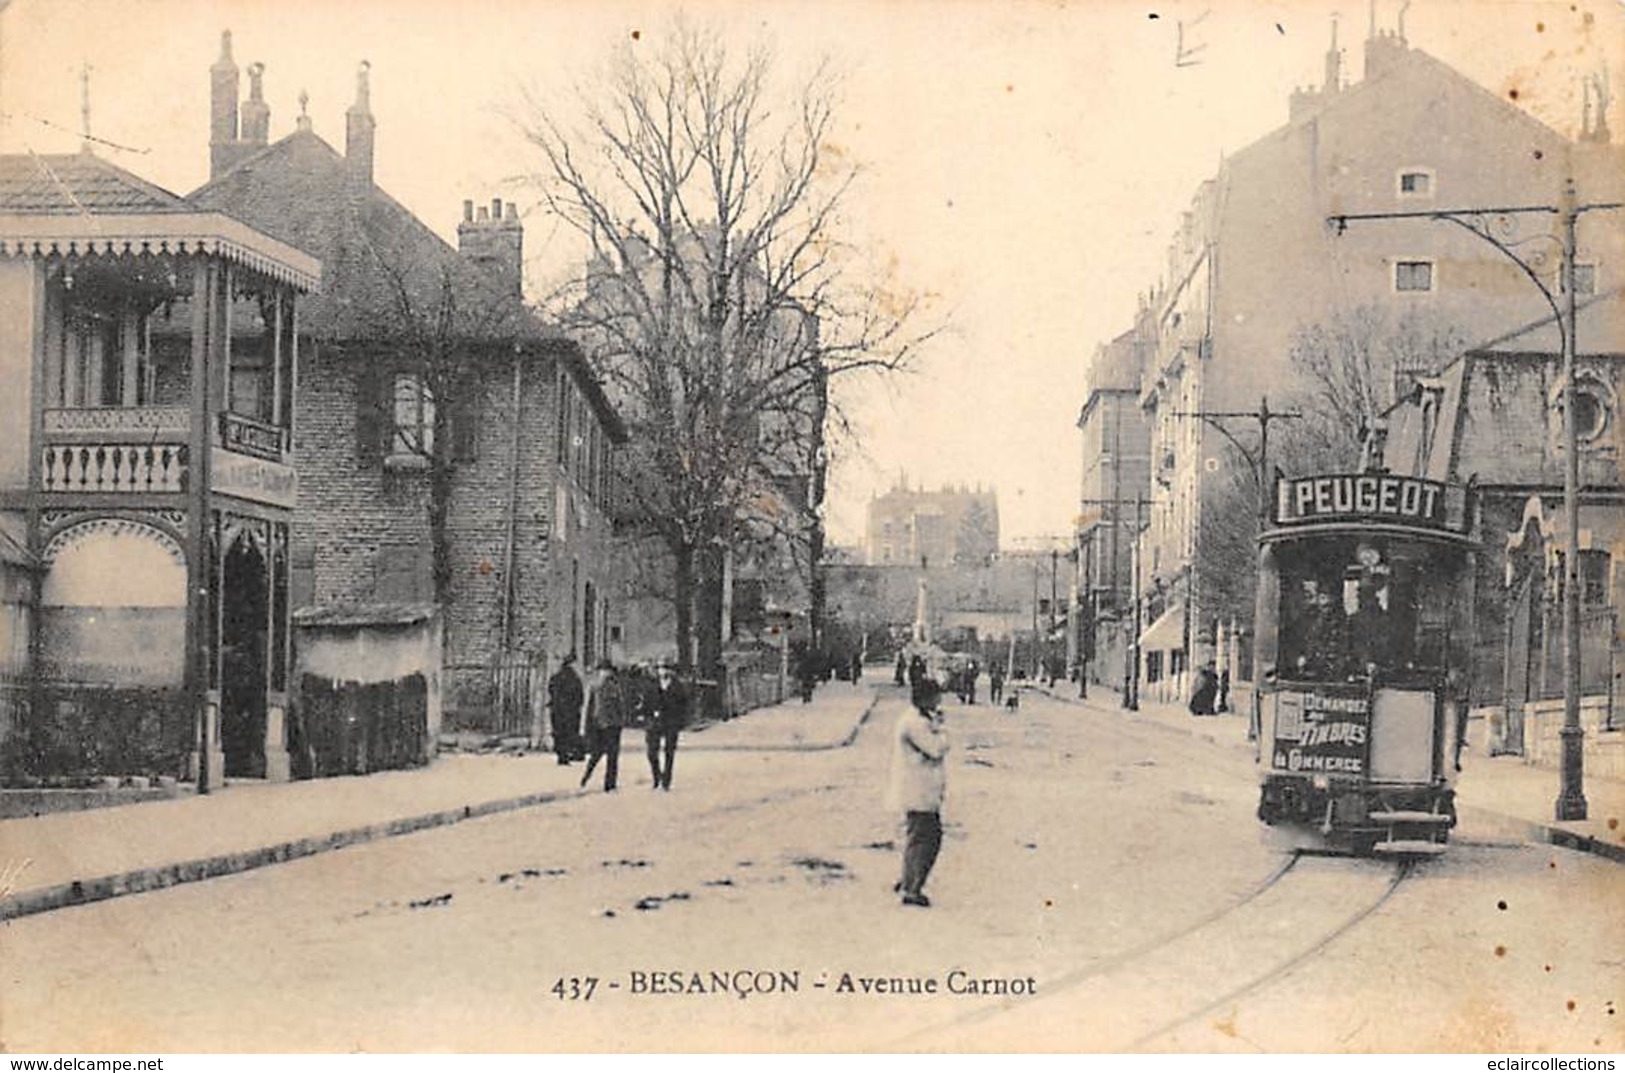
point(414, 418)
point(1416, 182)
point(1591, 408)
point(105, 358)
point(1594, 570)
point(1413, 276)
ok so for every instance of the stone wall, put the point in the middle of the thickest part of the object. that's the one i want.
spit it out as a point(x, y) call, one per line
point(1604, 741)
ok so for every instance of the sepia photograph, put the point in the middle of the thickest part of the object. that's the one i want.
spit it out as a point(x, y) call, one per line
point(1115, 506)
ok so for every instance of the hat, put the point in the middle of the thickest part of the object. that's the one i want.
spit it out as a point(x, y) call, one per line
point(926, 693)
point(605, 664)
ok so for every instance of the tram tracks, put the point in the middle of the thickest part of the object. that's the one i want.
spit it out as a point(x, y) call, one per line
point(1134, 999)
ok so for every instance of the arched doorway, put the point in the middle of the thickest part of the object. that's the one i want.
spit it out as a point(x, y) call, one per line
point(1528, 635)
point(244, 622)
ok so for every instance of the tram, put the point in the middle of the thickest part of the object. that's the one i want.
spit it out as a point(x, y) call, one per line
point(1363, 641)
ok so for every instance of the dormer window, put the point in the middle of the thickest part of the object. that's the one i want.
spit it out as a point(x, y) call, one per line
point(1416, 182)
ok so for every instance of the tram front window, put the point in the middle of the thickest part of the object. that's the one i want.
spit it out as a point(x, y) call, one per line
point(1358, 607)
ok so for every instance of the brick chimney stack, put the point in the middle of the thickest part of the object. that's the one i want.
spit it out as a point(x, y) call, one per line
point(494, 239)
point(256, 114)
point(222, 110)
point(358, 130)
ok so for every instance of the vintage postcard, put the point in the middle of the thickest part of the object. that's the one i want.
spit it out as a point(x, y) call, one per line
point(853, 526)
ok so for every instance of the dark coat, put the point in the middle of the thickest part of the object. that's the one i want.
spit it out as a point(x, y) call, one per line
point(606, 703)
point(667, 709)
point(564, 692)
point(1206, 694)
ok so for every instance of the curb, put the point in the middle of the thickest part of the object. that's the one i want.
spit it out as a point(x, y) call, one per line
point(1536, 831)
point(158, 877)
point(805, 747)
point(1530, 830)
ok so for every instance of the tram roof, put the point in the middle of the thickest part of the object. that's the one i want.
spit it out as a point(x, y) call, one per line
point(1282, 534)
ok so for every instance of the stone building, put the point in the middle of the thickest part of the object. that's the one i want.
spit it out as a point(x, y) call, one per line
point(1494, 418)
point(914, 525)
point(1253, 262)
point(1116, 484)
point(457, 451)
point(147, 476)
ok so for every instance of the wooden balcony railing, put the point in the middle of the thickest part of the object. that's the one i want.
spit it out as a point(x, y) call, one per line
point(114, 467)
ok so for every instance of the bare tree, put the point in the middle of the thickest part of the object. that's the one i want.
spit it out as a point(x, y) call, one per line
point(444, 325)
point(719, 300)
point(1353, 366)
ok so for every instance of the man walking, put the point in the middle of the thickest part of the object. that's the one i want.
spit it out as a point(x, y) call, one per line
point(918, 782)
point(564, 710)
point(667, 711)
point(605, 715)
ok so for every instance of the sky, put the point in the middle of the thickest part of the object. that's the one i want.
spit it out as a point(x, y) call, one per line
point(1024, 162)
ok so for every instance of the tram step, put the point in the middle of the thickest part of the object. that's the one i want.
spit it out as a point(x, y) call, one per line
point(1409, 848)
point(1407, 816)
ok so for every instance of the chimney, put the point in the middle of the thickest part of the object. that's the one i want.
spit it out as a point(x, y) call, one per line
point(1383, 51)
point(222, 110)
point(494, 239)
point(256, 116)
point(1334, 65)
point(358, 130)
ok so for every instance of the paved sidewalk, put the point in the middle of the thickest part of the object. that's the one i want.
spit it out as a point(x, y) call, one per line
point(70, 858)
point(1501, 793)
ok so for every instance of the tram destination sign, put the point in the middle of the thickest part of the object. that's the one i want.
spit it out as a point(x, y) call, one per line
point(1376, 497)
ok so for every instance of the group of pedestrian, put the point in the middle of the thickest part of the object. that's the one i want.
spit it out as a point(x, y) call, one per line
point(588, 720)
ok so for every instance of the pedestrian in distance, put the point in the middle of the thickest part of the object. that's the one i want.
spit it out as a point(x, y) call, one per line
point(1206, 691)
point(918, 784)
point(901, 674)
point(971, 674)
point(807, 675)
point(995, 683)
point(666, 715)
point(564, 696)
point(604, 714)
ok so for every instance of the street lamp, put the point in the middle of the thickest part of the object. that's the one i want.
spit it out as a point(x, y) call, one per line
point(1484, 224)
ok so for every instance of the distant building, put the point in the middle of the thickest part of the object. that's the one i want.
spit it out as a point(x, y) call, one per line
point(1114, 498)
point(1253, 261)
point(909, 526)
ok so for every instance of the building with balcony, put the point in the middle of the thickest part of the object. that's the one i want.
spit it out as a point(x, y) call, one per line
point(456, 453)
point(148, 352)
point(1253, 263)
point(1116, 483)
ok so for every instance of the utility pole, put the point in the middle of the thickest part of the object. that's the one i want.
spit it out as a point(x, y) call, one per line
point(1049, 635)
point(1131, 651)
point(1259, 463)
point(1498, 227)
